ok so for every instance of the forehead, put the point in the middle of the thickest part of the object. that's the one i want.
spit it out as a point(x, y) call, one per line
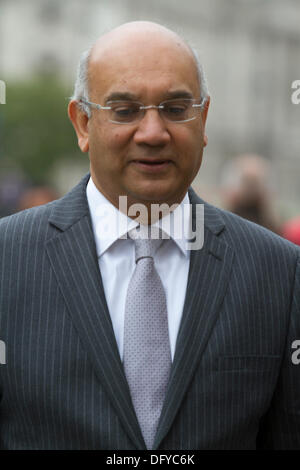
point(146, 65)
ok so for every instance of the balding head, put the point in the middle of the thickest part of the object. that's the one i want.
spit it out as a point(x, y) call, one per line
point(136, 39)
point(138, 35)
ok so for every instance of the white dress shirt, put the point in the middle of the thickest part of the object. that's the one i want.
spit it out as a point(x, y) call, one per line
point(116, 258)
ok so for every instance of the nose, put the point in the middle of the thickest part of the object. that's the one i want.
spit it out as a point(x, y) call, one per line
point(152, 130)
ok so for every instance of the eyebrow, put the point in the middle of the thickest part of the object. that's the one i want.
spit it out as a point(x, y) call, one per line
point(131, 97)
point(117, 95)
point(178, 94)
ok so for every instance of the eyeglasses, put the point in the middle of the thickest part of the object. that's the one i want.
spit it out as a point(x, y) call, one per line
point(129, 112)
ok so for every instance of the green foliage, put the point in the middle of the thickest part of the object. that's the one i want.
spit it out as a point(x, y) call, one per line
point(35, 128)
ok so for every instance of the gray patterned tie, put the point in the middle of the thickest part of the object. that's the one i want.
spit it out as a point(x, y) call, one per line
point(147, 355)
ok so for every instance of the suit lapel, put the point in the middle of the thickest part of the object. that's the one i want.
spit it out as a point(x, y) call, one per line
point(207, 283)
point(73, 257)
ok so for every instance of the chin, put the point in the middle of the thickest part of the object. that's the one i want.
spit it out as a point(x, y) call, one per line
point(160, 194)
point(153, 196)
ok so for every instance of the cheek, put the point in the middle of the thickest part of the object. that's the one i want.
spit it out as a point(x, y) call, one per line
point(112, 141)
point(191, 152)
point(108, 150)
point(189, 143)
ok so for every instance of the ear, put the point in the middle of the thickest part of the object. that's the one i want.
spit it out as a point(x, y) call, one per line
point(80, 122)
point(204, 117)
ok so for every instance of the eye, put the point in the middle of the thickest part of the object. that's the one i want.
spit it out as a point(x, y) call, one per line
point(175, 108)
point(125, 110)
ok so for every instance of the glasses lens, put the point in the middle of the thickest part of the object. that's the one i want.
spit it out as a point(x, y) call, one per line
point(125, 111)
point(178, 110)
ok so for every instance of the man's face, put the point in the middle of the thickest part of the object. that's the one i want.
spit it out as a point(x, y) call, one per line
point(120, 154)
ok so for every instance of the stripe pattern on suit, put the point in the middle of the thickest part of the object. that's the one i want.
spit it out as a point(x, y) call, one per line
point(232, 383)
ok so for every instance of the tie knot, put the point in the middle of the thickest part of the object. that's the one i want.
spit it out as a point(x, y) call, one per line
point(145, 247)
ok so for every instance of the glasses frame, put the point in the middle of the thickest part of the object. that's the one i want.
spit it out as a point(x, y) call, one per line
point(145, 108)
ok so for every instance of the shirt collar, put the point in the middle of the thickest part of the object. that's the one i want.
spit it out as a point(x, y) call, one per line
point(109, 224)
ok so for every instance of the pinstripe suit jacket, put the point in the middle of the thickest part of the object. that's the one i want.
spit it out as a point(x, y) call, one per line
point(233, 384)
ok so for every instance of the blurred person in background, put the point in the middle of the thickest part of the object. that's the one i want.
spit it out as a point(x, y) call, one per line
point(247, 191)
point(12, 187)
point(36, 196)
point(17, 194)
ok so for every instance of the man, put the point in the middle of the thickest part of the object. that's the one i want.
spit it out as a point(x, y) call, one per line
point(72, 302)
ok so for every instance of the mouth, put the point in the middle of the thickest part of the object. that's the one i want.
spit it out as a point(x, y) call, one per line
point(149, 165)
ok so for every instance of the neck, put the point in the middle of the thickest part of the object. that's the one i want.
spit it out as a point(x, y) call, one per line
point(146, 212)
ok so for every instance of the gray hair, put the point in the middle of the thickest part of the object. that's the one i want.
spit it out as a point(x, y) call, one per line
point(204, 93)
point(81, 88)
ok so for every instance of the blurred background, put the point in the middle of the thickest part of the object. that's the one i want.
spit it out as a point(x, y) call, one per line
point(250, 50)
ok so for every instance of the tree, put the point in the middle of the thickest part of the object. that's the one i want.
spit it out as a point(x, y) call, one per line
point(36, 131)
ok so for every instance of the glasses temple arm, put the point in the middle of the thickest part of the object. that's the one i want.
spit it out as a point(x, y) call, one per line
point(93, 105)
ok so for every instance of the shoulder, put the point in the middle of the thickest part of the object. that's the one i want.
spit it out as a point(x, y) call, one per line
point(238, 228)
point(254, 243)
point(250, 242)
point(26, 217)
point(34, 223)
point(26, 227)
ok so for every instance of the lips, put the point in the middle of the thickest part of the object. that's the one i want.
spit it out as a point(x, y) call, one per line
point(150, 161)
point(153, 162)
point(151, 165)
